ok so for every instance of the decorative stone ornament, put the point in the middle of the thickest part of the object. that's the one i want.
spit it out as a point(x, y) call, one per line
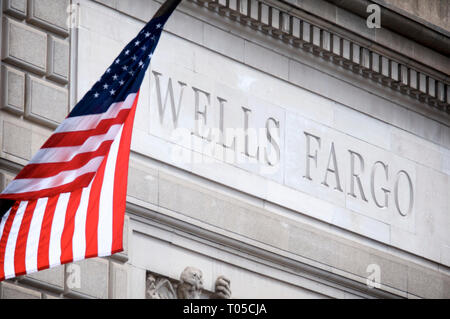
point(190, 286)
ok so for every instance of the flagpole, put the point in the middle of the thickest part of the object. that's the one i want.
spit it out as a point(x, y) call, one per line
point(166, 7)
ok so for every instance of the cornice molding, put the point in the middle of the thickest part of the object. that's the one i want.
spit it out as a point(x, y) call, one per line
point(403, 23)
point(295, 31)
point(416, 18)
point(313, 272)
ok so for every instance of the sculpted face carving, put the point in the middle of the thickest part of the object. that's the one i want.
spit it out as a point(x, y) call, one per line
point(191, 283)
point(190, 286)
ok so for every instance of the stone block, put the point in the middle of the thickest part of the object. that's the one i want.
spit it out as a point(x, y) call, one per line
point(11, 291)
point(223, 2)
point(38, 139)
point(447, 93)
point(274, 18)
point(440, 91)
point(109, 3)
point(244, 7)
point(141, 9)
point(393, 271)
point(223, 213)
point(395, 71)
point(365, 58)
point(94, 277)
point(58, 60)
point(223, 42)
point(16, 8)
point(445, 255)
point(5, 179)
point(285, 22)
point(233, 4)
point(363, 127)
point(403, 75)
point(422, 83)
point(126, 224)
point(345, 50)
point(183, 25)
point(385, 66)
point(375, 63)
point(325, 40)
point(24, 46)
point(296, 26)
point(47, 103)
point(356, 53)
point(53, 277)
point(312, 245)
point(136, 282)
point(12, 90)
point(16, 140)
point(413, 79)
point(336, 44)
point(316, 36)
point(306, 32)
point(254, 9)
point(50, 14)
point(431, 87)
point(142, 184)
point(263, 13)
point(266, 60)
point(427, 283)
point(351, 21)
point(432, 208)
point(118, 281)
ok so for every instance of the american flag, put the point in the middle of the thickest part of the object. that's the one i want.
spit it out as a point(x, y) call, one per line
point(68, 203)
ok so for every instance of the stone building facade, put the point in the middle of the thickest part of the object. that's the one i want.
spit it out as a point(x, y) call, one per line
point(285, 145)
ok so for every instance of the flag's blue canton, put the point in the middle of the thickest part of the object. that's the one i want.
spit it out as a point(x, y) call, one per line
point(125, 74)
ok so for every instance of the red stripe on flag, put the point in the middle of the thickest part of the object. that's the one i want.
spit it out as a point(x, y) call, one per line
point(51, 169)
point(4, 238)
point(79, 182)
point(69, 227)
point(79, 137)
point(92, 213)
point(120, 181)
point(46, 229)
point(21, 243)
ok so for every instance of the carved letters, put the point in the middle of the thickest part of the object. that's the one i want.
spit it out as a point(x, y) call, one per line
point(254, 132)
point(258, 143)
point(357, 173)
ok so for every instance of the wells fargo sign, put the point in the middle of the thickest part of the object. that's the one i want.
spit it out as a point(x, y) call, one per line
point(215, 123)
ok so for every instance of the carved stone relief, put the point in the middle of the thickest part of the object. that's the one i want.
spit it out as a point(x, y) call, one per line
point(189, 286)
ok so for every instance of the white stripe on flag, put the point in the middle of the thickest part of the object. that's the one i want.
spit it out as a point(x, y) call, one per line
point(34, 234)
point(105, 220)
point(57, 229)
point(12, 239)
point(67, 153)
point(87, 122)
point(25, 185)
point(79, 233)
point(3, 222)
